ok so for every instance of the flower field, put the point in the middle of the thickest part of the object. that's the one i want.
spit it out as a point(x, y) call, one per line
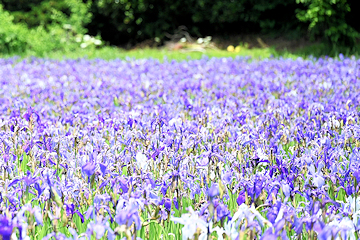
point(216, 148)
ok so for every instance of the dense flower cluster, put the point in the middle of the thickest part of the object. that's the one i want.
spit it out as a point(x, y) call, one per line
point(199, 149)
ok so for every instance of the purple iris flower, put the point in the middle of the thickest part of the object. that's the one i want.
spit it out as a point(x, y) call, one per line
point(273, 212)
point(213, 191)
point(357, 176)
point(176, 203)
point(167, 204)
point(241, 198)
point(103, 168)
point(222, 211)
point(89, 168)
point(6, 228)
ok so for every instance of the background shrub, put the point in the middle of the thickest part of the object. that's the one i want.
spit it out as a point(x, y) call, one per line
point(47, 25)
point(12, 36)
point(327, 19)
point(42, 26)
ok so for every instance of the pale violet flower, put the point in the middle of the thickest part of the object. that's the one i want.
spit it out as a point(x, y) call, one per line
point(346, 228)
point(35, 211)
point(318, 179)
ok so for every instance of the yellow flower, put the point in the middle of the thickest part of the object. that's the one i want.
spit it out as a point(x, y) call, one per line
point(230, 48)
point(237, 49)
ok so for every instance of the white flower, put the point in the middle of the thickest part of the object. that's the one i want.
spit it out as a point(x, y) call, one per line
point(175, 121)
point(292, 93)
point(353, 204)
point(191, 222)
point(212, 175)
point(86, 38)
point(97, 42)
point(260, 153)
point(141, 161)
point(220, 231)
point(350, 120)
point(335, 122)
point(244, 212)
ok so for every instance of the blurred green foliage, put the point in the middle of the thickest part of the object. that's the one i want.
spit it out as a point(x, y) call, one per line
point(12, 36)
point(40, 26)
point(35, 12)
point(327, 19)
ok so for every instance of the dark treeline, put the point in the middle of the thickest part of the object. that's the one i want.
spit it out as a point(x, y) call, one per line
point(130, 21)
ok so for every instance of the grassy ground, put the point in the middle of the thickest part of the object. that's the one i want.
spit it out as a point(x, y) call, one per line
point(161, 54)
point(107, 53)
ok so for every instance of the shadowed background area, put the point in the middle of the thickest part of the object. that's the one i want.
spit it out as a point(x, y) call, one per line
point(127, 23)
